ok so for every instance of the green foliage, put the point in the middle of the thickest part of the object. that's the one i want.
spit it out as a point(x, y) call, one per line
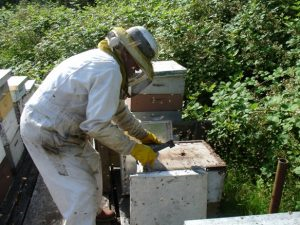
point(243, 72)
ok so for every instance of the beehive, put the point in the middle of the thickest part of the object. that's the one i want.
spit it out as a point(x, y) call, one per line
point(6, 129)
point(17, 87)
point(195, 155)
point(165, 93)
point(167, 197)
point(16, 149)
point(8, 121)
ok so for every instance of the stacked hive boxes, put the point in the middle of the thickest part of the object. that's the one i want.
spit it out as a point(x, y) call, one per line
point(17, 90)
point(162, 99)
point(8, 129)
point(12, 99)
point(159, 103)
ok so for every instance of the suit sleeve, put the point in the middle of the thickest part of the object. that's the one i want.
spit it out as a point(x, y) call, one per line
point(102, 105)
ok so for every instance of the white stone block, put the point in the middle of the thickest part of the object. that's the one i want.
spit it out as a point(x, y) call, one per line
point(167, 197)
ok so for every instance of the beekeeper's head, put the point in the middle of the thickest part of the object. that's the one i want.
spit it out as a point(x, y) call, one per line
point(137, 48)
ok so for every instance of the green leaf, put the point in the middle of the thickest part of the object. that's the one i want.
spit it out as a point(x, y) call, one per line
point(297, 170)
point(254, 106)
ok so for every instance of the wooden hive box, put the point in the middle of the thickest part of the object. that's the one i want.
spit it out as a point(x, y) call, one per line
point(165, 93)
point(8, 120)
point(17, 87)
point(168, 197)
point(195, 155)
point(6, 107)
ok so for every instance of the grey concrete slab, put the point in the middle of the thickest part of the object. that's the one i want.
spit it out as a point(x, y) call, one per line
point(43, 211)
point(290, 218)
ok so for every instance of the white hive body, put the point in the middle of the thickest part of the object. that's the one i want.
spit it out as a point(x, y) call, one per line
point(167, 197)
point(198, 172)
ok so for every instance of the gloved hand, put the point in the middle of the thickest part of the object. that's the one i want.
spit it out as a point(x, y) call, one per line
point(150, 139)
point(144, 154)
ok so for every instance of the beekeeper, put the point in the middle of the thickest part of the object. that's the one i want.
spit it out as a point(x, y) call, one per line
point(83, 98)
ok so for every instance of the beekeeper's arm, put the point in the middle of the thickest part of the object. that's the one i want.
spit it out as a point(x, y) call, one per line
point(127, 121)
point(103, 102)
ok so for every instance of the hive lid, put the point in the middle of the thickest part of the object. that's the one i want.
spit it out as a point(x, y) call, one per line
point(29, 84)
point(168, 68)
point(15, 82)
point(188, 155)
point(4, 75)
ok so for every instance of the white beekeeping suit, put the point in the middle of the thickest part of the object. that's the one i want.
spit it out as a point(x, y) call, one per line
point(79, 99)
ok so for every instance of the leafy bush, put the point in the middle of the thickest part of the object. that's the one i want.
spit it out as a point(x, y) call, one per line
point(243, 71)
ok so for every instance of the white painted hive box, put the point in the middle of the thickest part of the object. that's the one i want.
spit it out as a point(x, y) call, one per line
point(16, 149)
point(5, 74)
point(168, 78)
point(8, 120)
point(194, 155)
point(17, 87)
point(163, 130)
point(167, 197)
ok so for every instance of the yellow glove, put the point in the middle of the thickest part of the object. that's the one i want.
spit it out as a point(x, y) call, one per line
point(144, 154)
point(150, 139)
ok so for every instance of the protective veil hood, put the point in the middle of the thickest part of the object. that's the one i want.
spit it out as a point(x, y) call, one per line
point(143, 48)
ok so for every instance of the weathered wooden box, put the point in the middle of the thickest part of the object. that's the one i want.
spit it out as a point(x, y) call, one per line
point(163, 130)
point(6, 129)
point(168, 197)
point(30, 89)
point(194, 155)
point(15, 150)
point(166, 91)
point(8, 126)
point(17, 87)
point(17, 90)
point(5, 74)
point(8, 120)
